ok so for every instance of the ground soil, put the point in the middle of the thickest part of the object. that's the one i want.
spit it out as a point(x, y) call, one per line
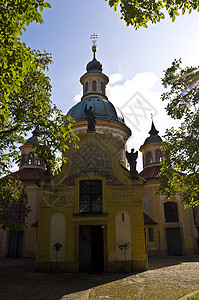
point(168, 278)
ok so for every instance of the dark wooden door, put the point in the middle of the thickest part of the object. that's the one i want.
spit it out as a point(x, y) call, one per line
point(97, 249)
point(91, 249)
point(15, 245)
point(174, 244)
point(84, 249)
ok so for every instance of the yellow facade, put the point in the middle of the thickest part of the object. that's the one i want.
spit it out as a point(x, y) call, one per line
point(121, 218)
point(174, 231)
point(184, 225)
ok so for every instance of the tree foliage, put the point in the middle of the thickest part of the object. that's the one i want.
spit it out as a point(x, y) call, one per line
point(14, 205)
point(180, 166)
point(139, 12)
point(25, 89)
point(25, 92)
point(16, 58)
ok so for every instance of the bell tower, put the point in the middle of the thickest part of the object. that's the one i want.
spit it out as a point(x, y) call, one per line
point(151, 149)
point(29, 160)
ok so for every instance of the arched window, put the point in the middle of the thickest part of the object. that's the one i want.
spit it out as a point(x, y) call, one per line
point(86, 87)
point(25, 159)
point(90, 196)
point(30, 159)
point(149, 159)
point(94, 85)
point(171, 212)
point(102, 88)
point(151, 234)
point(158, 155)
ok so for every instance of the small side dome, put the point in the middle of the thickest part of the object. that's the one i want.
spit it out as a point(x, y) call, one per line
point(35, 138)
point(94, 66)
point(154, 137)
point(29, 161)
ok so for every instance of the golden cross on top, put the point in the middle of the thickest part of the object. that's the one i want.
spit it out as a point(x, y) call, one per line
point(93, 38)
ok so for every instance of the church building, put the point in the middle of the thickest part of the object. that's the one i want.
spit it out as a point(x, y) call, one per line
point(98, 213)
point(94, 206)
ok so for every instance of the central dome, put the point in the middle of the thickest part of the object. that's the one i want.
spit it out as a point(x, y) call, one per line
point(102, 108)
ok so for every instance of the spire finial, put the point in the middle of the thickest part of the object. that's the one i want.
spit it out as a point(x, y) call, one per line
point(94, 47)
point(153, 130)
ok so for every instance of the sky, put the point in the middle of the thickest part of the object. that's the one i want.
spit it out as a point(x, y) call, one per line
point(133, 60)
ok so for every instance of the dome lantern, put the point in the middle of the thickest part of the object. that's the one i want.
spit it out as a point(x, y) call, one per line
point(94, 81)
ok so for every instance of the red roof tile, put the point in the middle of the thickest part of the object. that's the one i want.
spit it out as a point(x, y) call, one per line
point(150, 172)
point(148, 220)
point(29, 174)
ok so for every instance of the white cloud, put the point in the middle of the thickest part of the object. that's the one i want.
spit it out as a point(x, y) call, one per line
point(139, 98)
point(115, 78)
point(77, 97)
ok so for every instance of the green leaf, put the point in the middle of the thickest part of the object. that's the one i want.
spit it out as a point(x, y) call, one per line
point(173, 18)
point(46, 4)
point(41, 8)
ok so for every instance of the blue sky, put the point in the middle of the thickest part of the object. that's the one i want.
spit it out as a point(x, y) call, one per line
point(134, 60)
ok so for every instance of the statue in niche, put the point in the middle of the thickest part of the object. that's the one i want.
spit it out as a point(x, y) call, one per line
point(90, 118)
point(132, 157)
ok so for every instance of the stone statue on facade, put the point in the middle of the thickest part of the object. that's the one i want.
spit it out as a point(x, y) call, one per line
point(131, 158)
point(90, 118)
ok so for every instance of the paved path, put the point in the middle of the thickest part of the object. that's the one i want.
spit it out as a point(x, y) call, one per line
point(168, 278)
